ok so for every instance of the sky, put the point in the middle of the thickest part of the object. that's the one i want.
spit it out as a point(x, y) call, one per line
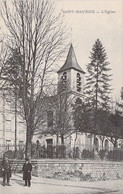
point(90, 20)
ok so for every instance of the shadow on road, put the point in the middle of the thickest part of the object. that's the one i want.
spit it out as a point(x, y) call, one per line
point(19, 182)
point(1, 182)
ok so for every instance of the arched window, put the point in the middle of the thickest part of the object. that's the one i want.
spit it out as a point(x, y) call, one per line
point(78, 82)
point(64, 81)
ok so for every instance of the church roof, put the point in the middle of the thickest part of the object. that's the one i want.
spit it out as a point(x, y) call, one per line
point(71, 62)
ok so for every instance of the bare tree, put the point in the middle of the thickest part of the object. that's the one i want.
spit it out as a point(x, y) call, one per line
point(59, 121)
point(35, 39)
point(64, 114)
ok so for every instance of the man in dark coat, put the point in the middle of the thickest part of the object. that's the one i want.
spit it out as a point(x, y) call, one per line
point(27, 168)
point(6, 170)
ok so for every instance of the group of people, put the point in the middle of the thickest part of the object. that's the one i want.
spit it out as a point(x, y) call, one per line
point(6, 171)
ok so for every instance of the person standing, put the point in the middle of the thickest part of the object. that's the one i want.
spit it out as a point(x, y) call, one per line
point(27, 168)
point(6, 170)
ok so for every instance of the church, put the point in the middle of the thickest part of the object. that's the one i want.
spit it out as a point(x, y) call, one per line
point(70, 88)
point(57, 127)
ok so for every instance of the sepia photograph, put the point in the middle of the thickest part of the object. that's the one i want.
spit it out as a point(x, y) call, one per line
point(61, 96)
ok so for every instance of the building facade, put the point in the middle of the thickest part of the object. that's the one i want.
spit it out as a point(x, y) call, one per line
point(12, 127)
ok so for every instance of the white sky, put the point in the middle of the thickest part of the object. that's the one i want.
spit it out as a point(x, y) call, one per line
point(87, 27)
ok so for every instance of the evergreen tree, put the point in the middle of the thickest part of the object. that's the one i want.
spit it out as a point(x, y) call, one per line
point(98, 82)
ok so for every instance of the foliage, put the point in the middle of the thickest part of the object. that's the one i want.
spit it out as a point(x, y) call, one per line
point(80, 116)
point(115, 155)
point(38, 151)
point(115, 130)
point(103, 122)
point(76, 152)
point(117, 121)
point(11, 154)
point(60, 151)
point(88, 154)
point(86, 177)
point(97, 84)
point(102, 154)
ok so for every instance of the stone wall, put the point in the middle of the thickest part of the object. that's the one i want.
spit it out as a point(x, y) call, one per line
point(77, 170)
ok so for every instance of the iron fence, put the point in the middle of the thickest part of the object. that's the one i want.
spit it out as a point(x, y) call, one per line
point(9, 149)
point(82, 151)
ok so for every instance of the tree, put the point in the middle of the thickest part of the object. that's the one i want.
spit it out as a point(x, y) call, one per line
point(122, 93)
point(63, 121)
point(98, 86)
point(115, 131)
point(35, 41)
point(79, 116)
point(58, 113)
point(103, 124)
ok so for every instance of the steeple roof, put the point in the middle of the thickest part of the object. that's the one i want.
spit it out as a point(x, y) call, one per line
point(71, 62)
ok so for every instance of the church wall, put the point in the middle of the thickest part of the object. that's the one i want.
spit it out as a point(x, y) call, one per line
point(73, 80)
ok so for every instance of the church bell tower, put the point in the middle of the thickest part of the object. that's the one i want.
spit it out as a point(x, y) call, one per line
point(71, 75)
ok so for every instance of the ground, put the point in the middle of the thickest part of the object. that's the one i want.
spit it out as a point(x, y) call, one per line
point(53, 186)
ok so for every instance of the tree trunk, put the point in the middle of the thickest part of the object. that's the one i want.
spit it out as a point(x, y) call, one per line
point(102, 140)
point(57, 138)
point(62, 139)
point(115, 143)
point(29, 136)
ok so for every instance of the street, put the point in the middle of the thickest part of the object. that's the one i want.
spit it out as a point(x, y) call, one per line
point(47, 189)
point(52, 186)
